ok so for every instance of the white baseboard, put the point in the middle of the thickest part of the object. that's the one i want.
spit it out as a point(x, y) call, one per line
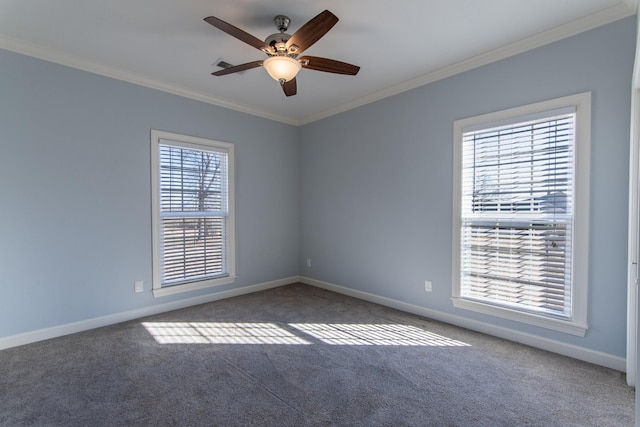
point(580, 353)
point(111, 319)
point(596, 357)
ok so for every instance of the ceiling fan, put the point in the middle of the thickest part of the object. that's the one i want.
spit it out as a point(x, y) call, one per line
point(283, 49)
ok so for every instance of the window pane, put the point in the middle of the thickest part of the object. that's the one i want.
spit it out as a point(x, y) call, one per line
point(527, 168)
point(192, 180)
point(524, 265)
point(193, 249)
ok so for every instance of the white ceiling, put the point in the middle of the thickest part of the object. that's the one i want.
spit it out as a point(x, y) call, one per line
point(399, 45)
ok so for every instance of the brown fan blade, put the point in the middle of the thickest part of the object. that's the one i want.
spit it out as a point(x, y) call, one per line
point(311, 32)
point(328, 65)
point(238, 68)
point(239, 34)
point(290, 88)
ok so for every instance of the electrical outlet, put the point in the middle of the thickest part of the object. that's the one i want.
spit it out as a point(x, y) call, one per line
point(138, 286)
point(427, 285)
point(308, 262)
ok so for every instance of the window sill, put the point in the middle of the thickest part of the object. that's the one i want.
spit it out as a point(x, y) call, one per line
point(188, 287)
point(571, 327)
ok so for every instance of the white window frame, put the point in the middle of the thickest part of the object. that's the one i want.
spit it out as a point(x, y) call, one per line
point(159, 138)
point(576, 324)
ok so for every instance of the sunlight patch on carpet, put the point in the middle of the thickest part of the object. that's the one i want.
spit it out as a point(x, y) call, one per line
point(375, 334)
point(221, 333)
point(296, 334)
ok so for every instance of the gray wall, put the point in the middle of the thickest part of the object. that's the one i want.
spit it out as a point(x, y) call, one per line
point(75, 202)
point(376, 182)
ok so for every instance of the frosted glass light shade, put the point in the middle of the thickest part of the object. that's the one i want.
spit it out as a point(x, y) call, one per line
point(282, 67)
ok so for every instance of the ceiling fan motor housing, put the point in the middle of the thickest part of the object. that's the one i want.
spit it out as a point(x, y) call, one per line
point(278, 40)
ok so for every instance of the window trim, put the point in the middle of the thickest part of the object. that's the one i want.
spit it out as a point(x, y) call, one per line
point(194, 143)
point(577, 323)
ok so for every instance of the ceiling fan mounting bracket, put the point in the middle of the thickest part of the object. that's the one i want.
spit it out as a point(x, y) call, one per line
point(282, 22)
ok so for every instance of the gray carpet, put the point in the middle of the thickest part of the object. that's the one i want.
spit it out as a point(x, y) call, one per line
point(300, 356)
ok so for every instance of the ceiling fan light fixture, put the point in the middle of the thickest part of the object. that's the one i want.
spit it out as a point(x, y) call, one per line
point(282, 68)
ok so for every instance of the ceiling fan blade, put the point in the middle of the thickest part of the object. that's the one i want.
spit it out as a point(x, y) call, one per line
point(290, 88)
point(328, 65)
point(311, 32)
point(239, 34)
point(238, 68)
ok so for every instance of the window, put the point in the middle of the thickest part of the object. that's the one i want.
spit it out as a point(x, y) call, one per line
point(193, 220)
point(521, 207)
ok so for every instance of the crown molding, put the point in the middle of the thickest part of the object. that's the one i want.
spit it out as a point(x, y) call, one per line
point(621, 10)
point(73, 61)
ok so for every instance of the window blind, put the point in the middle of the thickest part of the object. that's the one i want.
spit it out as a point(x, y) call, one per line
point(517, 214)
point(193, 212)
